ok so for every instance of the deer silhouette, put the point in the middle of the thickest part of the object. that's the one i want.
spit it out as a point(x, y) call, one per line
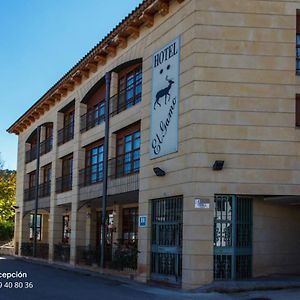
point(164, 93)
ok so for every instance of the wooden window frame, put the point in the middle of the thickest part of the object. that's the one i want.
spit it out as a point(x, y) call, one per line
point(32, 179)
point(123, 87)
point(65, 160)
point(46, 169)
point(121, 151)
point(88, 162)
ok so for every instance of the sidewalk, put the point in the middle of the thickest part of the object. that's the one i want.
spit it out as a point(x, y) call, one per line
point(258, 284)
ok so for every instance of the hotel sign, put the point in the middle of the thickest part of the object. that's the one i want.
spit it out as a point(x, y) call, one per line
point(165, 98)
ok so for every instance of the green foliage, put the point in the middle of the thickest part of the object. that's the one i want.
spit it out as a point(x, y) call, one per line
point(7, 195)
point(125, 256)
point(6, 230)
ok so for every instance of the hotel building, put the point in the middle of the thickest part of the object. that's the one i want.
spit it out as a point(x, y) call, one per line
point(191, 108)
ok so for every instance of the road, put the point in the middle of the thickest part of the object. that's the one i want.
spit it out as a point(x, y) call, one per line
point(46, 282)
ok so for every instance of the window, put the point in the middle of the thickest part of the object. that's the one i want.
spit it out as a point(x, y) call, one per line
point(69, 118)
point(32, 180)
point(47, 143)
point(64, 183)
point(298, 42)
point(38, 226)
point(130, 225)
point(94, 164)
point(99, 110)
point(30, 192)
point(297, 110)
point(48, 132)
point(130, 88)
point(67, 132)
point(47, 173)
point(46, 185)
point(66, 230)
point(67, 165)
point(128, 151)
point(69, 124)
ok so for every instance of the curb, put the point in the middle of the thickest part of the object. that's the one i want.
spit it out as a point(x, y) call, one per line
point(79, 270)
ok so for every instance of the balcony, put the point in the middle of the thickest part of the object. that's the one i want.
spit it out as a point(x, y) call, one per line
point(65, 134)
point(120, 166)
point(30, 154)
point(91, 174)
point(126, 98)
point(126, 164)
point(91, 119)
point(64, 184)
point(44, 191)
point(46, 145)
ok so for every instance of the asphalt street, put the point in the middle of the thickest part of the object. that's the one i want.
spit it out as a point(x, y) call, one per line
point(47, 282)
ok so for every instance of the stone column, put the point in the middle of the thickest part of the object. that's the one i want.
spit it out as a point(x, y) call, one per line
point(144, 241)
point(78, 215)
point(55, 217)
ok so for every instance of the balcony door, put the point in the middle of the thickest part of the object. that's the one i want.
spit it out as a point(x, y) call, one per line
point(94, 164)
point(128, 151)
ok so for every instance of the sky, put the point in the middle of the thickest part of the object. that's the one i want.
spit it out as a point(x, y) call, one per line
point(40, 40)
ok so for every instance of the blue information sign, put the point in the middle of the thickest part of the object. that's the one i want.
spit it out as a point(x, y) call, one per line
point(142, 221)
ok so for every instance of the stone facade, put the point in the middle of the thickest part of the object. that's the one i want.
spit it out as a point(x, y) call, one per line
point(237, 104)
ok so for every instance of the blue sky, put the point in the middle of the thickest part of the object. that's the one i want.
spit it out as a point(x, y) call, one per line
point(40, 41)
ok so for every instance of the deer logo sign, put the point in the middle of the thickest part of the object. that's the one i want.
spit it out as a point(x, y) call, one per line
point(165, 92)
point(163, 137)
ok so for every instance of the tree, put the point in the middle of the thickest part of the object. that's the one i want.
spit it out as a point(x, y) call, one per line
point(7, 195)
point(7, 202)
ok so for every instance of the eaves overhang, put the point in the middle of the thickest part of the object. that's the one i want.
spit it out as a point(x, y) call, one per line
point(143, 15)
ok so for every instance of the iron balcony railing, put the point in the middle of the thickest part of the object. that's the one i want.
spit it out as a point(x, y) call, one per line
point(46, 145)
point(122, 165)
point(30, 154)
point(44, 191)
point(125, 164)
point(64, 184)
point(126, 98)
point(91, 119)
point(65, 134)
point(91, 174)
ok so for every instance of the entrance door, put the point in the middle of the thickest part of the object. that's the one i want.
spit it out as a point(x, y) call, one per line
point(232, 237)
point(166, 250)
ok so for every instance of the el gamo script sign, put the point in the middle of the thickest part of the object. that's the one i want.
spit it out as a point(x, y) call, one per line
point(165, 97)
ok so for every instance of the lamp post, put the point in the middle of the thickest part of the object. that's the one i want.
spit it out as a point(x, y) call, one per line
point(37, 174)
point(105, 169)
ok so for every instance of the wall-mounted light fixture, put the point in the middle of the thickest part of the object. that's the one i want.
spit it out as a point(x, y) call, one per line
point(159, 172)
point(218, 165)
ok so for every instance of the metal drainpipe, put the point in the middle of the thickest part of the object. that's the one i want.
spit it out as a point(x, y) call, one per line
point(37, 174)
point(105, 169)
